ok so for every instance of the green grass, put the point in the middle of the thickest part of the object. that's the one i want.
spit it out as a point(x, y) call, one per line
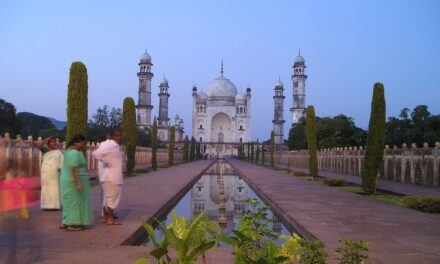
point(387, 198)
point(353, 189)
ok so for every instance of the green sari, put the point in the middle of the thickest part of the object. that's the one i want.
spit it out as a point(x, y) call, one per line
point(77, 206)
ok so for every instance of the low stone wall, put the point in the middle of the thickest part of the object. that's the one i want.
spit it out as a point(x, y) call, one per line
point(24, 158)
point(408, 165)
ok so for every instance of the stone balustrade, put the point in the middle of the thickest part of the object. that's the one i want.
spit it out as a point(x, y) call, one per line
point(24, 157)
point(407, 164)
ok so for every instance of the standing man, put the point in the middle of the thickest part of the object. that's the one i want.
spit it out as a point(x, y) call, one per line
point(111, 178)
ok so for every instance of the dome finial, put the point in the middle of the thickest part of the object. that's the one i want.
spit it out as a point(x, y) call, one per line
point(221, 69)
point(299, 52)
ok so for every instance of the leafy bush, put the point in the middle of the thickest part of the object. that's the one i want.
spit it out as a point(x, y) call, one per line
point(313, 252)
point(352, 252)
point(334, 182)
point(423, 203)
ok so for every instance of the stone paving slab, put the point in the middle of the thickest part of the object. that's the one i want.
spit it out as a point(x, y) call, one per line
point(383, 185)
point(40, 241)
point(397, 234)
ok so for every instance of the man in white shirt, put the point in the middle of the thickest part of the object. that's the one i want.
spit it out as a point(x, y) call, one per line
point(110, 175)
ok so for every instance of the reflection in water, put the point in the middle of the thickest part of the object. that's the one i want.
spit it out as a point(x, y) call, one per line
point(221, 194)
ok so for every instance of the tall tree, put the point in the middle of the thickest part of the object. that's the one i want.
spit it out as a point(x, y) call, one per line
point(311, 141)
point(248, 151)
point(8, 119)
point(186, 149)
point(171, 144)
point(154, 144)
point(257, 152)
point(373, 158)
point(272, 148)
point(129, 132)
point(77, 102)
point(192, 151)
point(262, 153)
point(252, 152)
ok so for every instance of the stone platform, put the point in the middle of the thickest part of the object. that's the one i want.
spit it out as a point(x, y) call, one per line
point(396, 234)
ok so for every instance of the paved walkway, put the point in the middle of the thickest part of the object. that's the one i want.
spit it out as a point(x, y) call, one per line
point(397, 234)
point(382, 185)
point(40, 241)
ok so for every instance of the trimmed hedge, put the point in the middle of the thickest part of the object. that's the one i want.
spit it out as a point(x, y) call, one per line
point(77, 102)
point(129, 132)
point(334, 182)
point(423, 203)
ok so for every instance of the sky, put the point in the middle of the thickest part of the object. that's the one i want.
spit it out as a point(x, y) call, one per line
point(347, 46)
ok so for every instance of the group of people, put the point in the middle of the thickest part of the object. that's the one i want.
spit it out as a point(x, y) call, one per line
point(65, 183)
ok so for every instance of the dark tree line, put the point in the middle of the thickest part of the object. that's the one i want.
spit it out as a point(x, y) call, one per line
point(419, 127)
point(338, 131)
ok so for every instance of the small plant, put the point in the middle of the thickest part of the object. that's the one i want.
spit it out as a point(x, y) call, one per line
point(334, 182)
point(423, 203)
point(313, 252)
point(291, 248)
point(352, 252)
point(183, 237)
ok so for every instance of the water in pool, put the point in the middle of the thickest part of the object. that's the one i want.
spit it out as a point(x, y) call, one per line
point(220, 187)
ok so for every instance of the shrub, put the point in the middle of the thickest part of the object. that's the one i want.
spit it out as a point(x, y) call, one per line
point(186, 149)
point(375, 141)
point(272, 149)
point(352, 252)
point(129, 132)
point(154, 145)
point(311, 140)
point(423, 203)
point(171, 143)
point(77, 100)
point(334, 182)
point(192, 151)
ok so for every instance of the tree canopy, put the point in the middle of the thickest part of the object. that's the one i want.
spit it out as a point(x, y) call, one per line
point(8, 119)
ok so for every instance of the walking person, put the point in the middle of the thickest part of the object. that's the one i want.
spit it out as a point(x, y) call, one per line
point(50, 174)
point(109, 153)
point(75, 187)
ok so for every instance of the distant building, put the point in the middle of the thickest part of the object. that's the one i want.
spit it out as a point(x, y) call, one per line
point(299, 89)
point(278, 116)
point(221, 115)
point(144, 106)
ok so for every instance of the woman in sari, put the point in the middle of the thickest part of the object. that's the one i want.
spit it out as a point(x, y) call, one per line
point(75, 187)
point(50, 174)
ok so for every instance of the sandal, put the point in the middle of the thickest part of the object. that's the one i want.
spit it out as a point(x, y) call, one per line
point(72, 229)
point(63, 226)
point(112, 222)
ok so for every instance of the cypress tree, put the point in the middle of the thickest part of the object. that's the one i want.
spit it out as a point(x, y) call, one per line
point(262, 153)
point(311, 141)
point(272, 149)
point(171, 143)
point(186, 149)
point(154, 145)
point(257, 154)
point(192, 151)
point(198, 151)
point(373, 159)
point(252, 152)
point(129, 132)
point(77, 102)
point(248, 151)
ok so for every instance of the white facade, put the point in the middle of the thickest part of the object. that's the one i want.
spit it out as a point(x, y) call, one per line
point(221, 114)
point(278, 113)
point(299, 89)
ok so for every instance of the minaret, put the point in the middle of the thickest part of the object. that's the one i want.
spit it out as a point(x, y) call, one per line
point(144, 106)
point(278, 114)
point(163, 103)
point(299, 89)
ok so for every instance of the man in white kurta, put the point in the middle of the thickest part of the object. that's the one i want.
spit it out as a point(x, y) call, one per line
point(110, 176)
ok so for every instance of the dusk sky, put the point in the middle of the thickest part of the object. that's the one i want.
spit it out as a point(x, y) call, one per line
point(347, 45)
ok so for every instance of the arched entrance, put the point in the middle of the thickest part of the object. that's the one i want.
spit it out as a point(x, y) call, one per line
point(221, 128)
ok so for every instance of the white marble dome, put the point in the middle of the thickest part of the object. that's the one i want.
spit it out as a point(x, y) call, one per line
point(221, 87)
point(146, 56)
point(299, 59)
point(240, 97)
point(202, 95)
